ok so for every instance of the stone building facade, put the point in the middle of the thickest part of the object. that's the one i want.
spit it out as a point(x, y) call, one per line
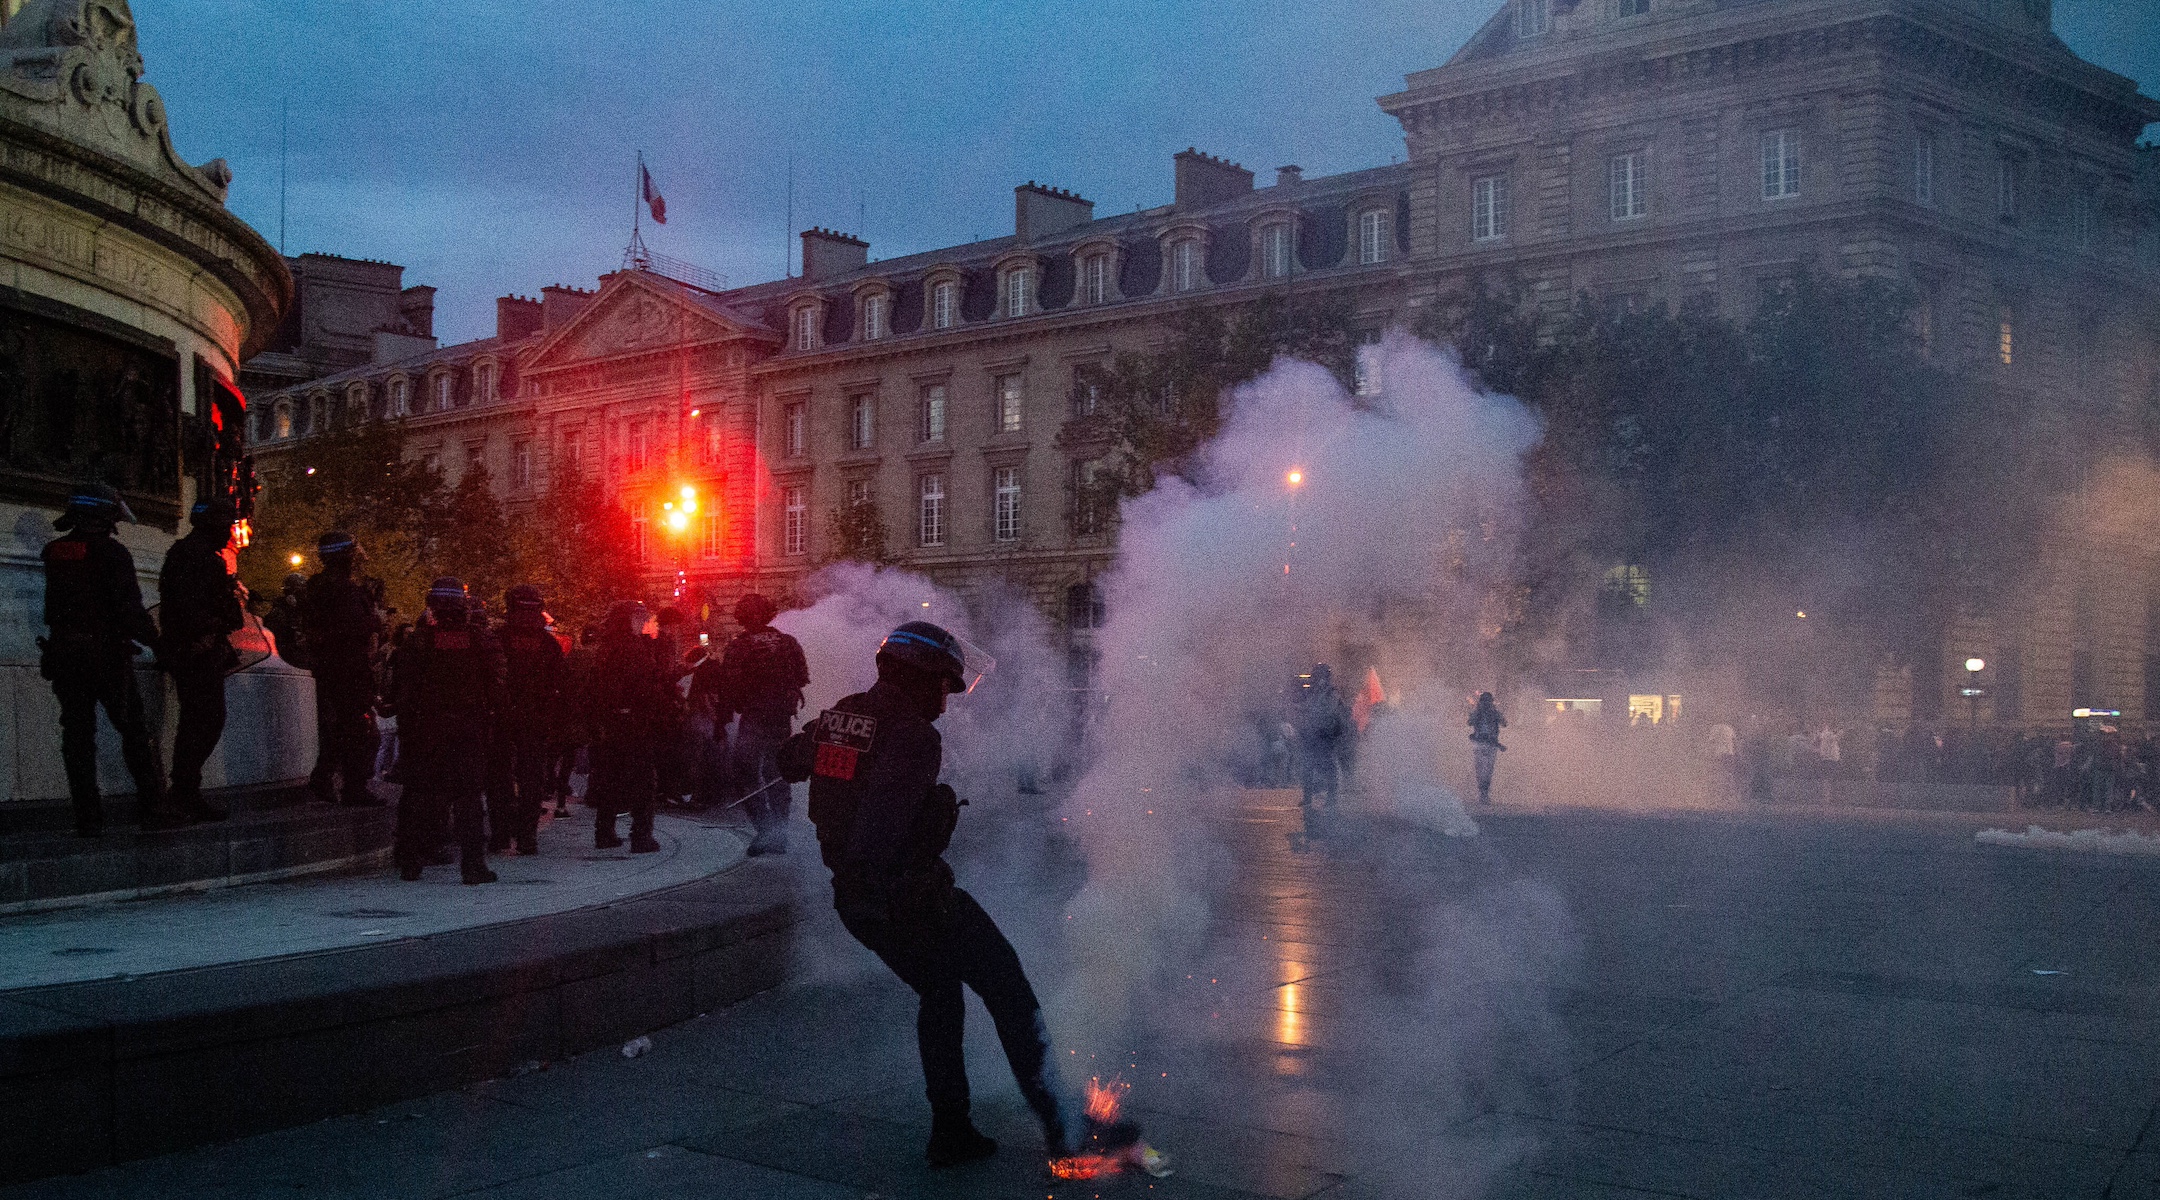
point(1639, 151)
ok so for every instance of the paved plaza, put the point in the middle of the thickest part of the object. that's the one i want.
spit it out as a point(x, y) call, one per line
point(1570, 1003)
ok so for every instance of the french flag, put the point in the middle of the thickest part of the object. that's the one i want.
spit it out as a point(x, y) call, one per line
point(653, 199)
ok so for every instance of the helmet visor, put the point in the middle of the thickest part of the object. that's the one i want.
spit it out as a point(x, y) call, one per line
point(976, 665)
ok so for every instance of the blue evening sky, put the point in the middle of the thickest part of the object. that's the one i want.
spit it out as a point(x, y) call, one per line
point(487, 146)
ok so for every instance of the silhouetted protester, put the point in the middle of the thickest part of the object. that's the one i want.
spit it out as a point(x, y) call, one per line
point(1485, 726)
point(448, 690)
point(883, 823)
point(524, 727)
point(761, 677)
point(633, 712)
point(283, 622)
point(574, 717)
point(198, 612)
point(1323, 724)
point(93, 606)
point(386, 751)
point(340, 626)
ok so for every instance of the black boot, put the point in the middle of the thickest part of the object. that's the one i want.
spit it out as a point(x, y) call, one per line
point(475, 871)
point(955, 1140)
point(603, 835)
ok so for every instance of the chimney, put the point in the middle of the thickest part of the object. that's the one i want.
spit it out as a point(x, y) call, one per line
point(828, 252)
point(518, 317)
point(1040, 211)
point(559, 305)
point(416, 305)
point(1286, 176)
point(1204, 180)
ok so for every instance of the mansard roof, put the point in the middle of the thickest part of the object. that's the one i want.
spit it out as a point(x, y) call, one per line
point(457, 355)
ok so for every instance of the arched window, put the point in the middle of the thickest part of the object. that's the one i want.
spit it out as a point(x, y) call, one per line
point(281, 425)
point(1376, 236)
point(876, 316)
point(944, 304)
point(803, 320)
point(356, 404)
point(1096, 274)
point(1185, 260)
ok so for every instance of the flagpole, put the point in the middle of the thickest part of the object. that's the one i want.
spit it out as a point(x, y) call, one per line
point(637, 200)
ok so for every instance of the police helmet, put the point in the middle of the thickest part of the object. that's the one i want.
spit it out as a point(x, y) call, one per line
point(216, 512)
point(295, 581)
point(754, 610)
point(1321, 675)
point(930, 649)
point(447, 594)
point(94, 502)
point(523, 598)
point(336, 542)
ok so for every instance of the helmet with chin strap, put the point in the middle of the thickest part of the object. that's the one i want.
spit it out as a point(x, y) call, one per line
point(930, 649)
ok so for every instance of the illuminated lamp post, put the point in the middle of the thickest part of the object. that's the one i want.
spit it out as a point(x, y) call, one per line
point(676, 514)
point(1972, 691)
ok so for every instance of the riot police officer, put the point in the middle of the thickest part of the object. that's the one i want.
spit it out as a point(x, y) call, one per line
point(761, 676)
point(448, 688)
point(519, 784)
point(93, 606)
point(883, 823)
point(198, 611)
point(340, 625)
point(633, 708)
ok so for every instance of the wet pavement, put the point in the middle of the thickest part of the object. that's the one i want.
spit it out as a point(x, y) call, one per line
point(1568, 1004)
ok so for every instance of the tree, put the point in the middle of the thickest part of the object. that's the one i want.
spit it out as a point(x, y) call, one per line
point(356, 479)
point(579, 547)
point(464, 533)
point(856, 533)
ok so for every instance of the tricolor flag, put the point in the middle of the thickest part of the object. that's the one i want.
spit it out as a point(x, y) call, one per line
point(652, 197)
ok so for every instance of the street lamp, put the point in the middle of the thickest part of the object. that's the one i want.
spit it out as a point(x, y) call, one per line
point(1972, 690)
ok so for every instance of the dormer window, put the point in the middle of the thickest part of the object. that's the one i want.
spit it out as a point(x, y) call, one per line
point(1185, 273)
point(1019, 291)
point(443, 392)
point(1275, 252)
point(1533, 18)
point(400, 398)
point(1095, 276)
point(282, 426)
point(356, 403)
point(944, 304)
point(803, 333)
point(484, 383)
point(876, 316)
point(1376, 235)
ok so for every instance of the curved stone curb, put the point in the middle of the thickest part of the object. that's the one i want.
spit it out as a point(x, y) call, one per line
point(98, 1073)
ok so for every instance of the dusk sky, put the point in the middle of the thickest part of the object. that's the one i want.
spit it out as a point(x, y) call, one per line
point(488, 146)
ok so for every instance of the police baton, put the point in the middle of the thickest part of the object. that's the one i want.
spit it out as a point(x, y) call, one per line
point(746, 796)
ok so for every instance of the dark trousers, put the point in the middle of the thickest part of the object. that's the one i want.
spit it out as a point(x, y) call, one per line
point(936, 954)
point(624, 779)
point(201, 695)
point(1318, 770)
point(345, 738)
point(82, 683)
point(520, 776)
point(444, 780)
point(757, 747)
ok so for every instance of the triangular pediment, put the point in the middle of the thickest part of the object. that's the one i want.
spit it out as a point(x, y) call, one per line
point(636, 315)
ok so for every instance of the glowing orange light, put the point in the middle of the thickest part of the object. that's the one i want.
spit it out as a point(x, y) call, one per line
point(297, 559)
point(688, 492)
point(243, 533)
point(1296, 478)
point(678, 521)
point(693, 412)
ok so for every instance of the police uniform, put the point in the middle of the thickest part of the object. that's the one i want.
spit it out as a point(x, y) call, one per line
point(93, 606)
point(340, 626)
point(198, 610)
point(524, 729)
point(761, 676)
point(448, 683)
point(632, 714)
point(883, 824)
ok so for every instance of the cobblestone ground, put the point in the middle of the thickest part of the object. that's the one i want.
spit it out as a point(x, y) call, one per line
point(1569, 1004)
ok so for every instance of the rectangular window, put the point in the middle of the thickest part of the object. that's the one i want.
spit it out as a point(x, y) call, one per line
point(484, 382)
point(640, 445)
point(1376, 229)
point(795, 520)
point(944, 306)
point(1780, 164)
point(709, 531)
point(641, 538)
point(400, 402)
point(862, 422)
point(795, 429)
point(2005, 341)
point(1011, 398)
point(930, 414)
point(475, 454)
point(1087, 394)
point(1624, 182)
point(930, 511)
point(1019, 292)
point(876, 312)
point(1923, 170)
point(1095, 279)
point(1533, 18)
point(2006, 186)
point(1366, 372)
point(442, 393)
point(1006, 482)
point(1185, 265)
point(1488, 208)
point(521, 466)
point(858, 493)
point(805, 335)
point(1089, 503)
point(1633, 8)
point(573, 453)
point(1275, 252)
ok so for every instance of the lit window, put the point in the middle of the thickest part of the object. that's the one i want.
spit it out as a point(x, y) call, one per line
point(521, 466)
point(443, 392)
point(1019, 291)
point(930, 414)
point(2006, 187)
point(805, 333)
point(794, 429)
point(2005, 331)
point(1011, 396)
point(1923, 170)
point(1376, 229)
point(862, 422)
point(930, 515)
point(1185, 265)
point(944, 305)
point(1532, 18)
point(1275, 251)
point(1489, 208)
point(1006, 483)
point(795, 524)
point(1624, 177)
point(876, 316)
point(1780, 164)
point(1629, 585)
point(283, 428)
point(1095, 278)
